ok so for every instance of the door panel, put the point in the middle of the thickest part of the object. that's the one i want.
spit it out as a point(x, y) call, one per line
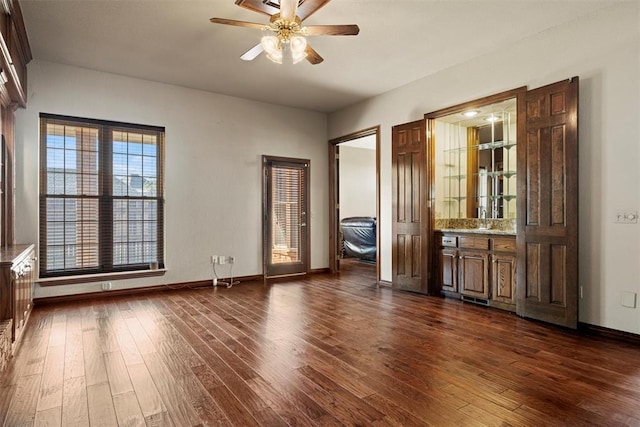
point(474, 274)
point(285, 206)
point(503, 270)
point(548, 205)
point(448, 265)
point(410, 251)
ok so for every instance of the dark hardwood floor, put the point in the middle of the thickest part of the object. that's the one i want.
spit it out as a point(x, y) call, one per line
point(323, 350)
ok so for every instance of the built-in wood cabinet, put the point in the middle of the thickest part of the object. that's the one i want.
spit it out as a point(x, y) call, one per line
point(15, 54)
point(16, 287)
point(545, 179)
point(479, 268)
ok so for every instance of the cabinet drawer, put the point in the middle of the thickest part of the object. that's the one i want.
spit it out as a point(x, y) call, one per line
point(469, 242)
point(504, 244)
point(449, 241)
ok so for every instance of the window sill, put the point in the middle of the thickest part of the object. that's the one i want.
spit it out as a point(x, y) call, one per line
point(88, 278)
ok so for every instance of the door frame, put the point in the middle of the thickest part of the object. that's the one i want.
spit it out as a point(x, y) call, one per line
point(334, 208)
point(306, 247)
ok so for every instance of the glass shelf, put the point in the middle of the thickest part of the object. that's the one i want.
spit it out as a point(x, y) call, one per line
point(486, 146)
point(476, 165)
point(496, 174)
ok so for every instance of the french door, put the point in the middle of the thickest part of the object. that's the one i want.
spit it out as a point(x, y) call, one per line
point(285, 204)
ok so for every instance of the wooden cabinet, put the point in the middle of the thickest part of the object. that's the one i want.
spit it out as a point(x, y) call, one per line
point(474, 273)
point(449, 269)
point(503, 273)
point(478, 268)
point(16, 287)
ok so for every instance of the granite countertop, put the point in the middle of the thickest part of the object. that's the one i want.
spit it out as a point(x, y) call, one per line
point(477, 231)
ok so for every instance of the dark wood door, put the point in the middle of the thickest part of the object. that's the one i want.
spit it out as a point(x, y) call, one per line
point(410, 229)
point(547, 242)
point(286, 223)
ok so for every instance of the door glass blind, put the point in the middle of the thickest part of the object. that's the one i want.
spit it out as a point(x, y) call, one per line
point(286, 195)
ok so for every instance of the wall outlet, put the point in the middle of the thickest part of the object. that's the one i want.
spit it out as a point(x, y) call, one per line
point(106, 286)
point(628, 299)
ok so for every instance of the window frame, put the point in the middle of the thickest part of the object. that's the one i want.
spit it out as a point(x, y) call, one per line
point(106, 201)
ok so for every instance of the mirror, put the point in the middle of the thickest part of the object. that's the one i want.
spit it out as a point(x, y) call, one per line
point(475, 163)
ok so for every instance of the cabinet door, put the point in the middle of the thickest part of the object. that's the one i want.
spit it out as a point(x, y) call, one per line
point(503, 278)
point(474, 274)
point(449, 269)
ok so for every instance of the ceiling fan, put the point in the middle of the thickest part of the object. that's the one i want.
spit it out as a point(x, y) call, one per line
point(289, 43)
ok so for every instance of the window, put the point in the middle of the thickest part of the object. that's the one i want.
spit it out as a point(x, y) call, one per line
point(101, 196)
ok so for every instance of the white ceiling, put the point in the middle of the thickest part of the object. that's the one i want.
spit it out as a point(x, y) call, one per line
point(173, 42)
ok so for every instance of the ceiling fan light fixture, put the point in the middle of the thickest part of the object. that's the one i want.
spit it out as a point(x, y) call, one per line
point(289, 51)
point(271, 46)
point(298, 46)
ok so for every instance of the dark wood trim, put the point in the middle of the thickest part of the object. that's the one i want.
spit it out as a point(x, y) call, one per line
point(73, 121)
point(8, 156)
point(614, 334)
point(385, 283)
point(355, 135)
point(334, 231)
point(477, 103)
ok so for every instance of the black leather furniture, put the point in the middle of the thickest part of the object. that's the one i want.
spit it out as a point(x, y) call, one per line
point(359, 237)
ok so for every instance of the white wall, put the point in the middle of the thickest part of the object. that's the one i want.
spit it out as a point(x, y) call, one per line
point(604, 51)
point(357, 182)
point(213, 177)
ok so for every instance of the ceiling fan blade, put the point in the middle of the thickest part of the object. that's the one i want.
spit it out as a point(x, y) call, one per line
point(237, 23)
point(259, 6)
point(333, 30)
point(312, 56)
point(305, 10)
point(309, 7)
point(288, 9)
point(252, 53)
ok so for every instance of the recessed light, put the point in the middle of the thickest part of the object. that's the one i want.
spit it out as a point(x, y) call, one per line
point(470, 113)
point(492, 118)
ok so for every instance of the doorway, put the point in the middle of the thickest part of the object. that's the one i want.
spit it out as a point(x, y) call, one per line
point(285, 204)
point(354, 195)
